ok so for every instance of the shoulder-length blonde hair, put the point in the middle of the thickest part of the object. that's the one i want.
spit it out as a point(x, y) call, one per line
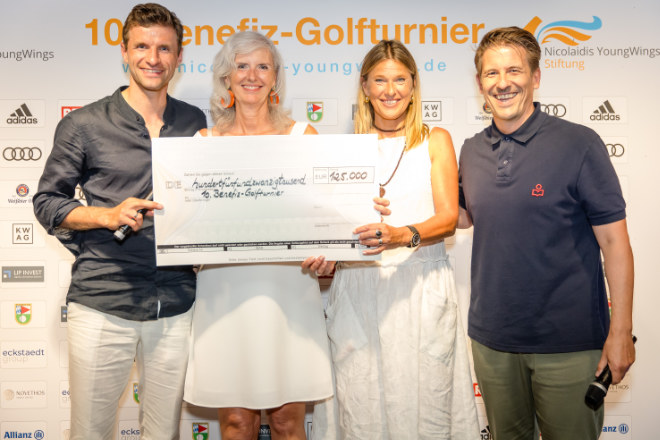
point(224, 63)
point(416, 130)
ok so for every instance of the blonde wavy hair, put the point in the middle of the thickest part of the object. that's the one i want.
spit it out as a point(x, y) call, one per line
point(416, 130)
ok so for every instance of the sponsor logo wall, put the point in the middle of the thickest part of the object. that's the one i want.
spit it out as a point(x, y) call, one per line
point(600, 65)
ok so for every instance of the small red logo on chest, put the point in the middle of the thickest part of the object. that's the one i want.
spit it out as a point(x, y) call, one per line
point(538, 191)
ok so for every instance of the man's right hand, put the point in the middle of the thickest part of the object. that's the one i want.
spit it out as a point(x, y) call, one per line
point(126, 213)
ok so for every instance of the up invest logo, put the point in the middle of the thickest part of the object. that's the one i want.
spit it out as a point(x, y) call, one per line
point(568, 32)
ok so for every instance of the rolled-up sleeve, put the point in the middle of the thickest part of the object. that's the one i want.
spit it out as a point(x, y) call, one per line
point(54, 199)
point(55, 196)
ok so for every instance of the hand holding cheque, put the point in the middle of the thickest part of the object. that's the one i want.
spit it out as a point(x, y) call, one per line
point(241, 199)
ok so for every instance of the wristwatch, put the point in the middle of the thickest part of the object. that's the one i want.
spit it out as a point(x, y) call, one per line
point(415, 239)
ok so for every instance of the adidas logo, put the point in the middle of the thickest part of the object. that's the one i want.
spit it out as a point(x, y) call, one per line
point(605, 112)
point(22, 115)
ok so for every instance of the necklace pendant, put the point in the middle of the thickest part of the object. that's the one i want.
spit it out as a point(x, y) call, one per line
point(382, 185)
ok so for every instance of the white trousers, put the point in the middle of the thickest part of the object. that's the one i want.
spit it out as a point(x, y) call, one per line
point(102, 349)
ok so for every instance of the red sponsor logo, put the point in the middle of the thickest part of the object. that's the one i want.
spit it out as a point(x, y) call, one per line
point(538, 191)
point(66, 109)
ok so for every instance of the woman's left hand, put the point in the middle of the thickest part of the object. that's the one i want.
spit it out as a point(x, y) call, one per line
point(319, 265)
point(378, 237)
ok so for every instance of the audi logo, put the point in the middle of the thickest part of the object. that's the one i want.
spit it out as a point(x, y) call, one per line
point(615, 150)
point(558, 110)
point(21, 153)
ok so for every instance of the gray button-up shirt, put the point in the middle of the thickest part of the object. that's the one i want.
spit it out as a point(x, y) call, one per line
point(106, 148)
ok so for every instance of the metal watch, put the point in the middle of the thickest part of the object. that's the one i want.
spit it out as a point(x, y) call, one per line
point(415, 239)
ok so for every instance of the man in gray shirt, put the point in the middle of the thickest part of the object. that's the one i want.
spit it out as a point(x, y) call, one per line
point(121, 306)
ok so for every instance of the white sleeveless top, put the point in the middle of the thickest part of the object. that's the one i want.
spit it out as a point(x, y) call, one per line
point(258, 336)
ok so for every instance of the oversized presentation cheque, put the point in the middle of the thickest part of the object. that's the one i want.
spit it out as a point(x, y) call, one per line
point(244, 199)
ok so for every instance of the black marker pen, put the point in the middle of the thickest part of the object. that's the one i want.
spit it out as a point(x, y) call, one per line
point(125, 230)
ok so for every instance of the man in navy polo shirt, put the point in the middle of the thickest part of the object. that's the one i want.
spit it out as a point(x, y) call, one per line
point(544, 201)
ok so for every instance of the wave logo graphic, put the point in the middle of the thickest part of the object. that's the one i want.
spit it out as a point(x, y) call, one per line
point(569, 32)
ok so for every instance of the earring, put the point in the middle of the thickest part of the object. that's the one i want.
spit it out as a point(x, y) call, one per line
point(231, 100)
point(274, 97)
point(366, 99)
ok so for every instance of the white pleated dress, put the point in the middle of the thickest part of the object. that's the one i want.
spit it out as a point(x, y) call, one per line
point(399, 351)
point(258, 336)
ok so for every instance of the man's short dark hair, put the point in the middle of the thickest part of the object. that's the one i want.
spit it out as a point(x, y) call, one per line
point(152, 14)
point(510, 36)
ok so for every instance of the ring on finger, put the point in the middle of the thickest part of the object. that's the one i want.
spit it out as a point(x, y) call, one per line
point(378, 233)
point(380, 242)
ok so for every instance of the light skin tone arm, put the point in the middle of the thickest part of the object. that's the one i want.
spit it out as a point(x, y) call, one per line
point(310, 130)
point(84, 218)
point(320, 265)
point(150, 46)
point(618, 351)
point(444, 184)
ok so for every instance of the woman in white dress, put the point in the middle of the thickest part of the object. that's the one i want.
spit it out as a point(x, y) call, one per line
point(399, 352)
point(259, 338)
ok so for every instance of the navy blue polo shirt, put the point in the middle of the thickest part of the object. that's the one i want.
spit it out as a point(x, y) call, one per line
point(533, 196)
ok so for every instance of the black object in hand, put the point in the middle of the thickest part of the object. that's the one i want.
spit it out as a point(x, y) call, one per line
point(125, 230)
point(598, 388)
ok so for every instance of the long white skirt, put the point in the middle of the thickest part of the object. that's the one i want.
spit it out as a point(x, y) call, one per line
point(259, 338)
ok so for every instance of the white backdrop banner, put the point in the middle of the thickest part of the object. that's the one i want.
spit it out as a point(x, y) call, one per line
point(600, 67)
